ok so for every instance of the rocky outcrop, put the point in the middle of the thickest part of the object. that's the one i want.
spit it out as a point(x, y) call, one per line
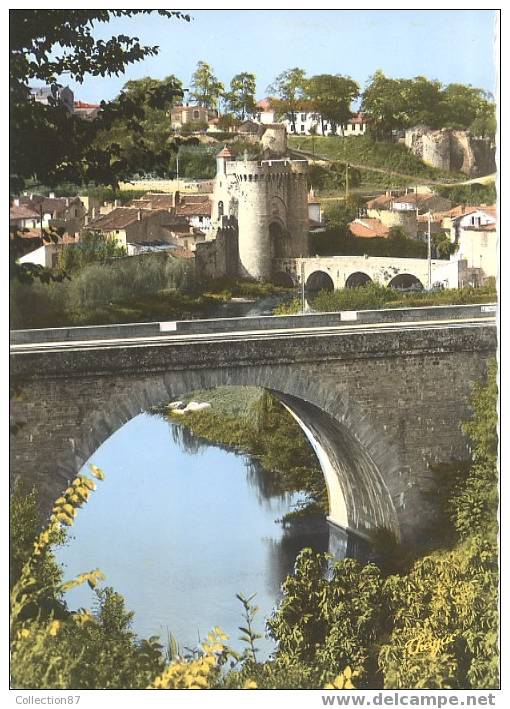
point(452, 150)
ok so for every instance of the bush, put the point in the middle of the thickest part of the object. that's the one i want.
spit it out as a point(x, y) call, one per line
point(101, 287)
point(337, 241)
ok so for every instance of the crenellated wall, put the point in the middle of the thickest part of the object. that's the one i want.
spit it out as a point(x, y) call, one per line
point(270, 202)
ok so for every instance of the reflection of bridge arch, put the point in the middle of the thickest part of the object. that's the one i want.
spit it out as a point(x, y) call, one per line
point(357, 279)
point(319, 280)
point(404, 281)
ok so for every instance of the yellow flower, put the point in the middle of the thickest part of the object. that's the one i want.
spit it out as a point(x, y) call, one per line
point(24, 633)
point(250, 684)
point(54, 627)
point(96, 472)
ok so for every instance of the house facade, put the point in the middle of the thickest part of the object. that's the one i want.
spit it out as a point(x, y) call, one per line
point(309, 123)
point(182, 116)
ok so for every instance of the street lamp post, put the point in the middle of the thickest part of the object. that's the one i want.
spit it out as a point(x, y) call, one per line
point(429, 251)
point(303, 301)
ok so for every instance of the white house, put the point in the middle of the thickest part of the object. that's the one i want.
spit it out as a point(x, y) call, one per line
point(23, 217)
point(308, 123)
point(46, 255)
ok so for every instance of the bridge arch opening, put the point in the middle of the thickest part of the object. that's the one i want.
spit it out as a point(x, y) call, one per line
point(357, 279)
point(319, 280)
point(405, 281)
point(351, 455)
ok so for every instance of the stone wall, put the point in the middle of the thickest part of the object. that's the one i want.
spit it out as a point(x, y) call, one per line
point(452, 150)
point(382, 406)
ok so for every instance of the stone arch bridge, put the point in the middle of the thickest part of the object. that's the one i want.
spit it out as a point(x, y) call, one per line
point(380, 403)
point(335, 272)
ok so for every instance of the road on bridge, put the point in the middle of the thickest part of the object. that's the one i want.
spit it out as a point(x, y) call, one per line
point(257, 328)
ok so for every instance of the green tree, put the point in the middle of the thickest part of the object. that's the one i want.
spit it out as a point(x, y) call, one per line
point(397, 233)
point(383, 100)
point(48, 144)
point(421, 102)
point(206, 88)
point(241, 97)
point(329, 96)
point(462, 106)
point(288, 88)
point(92, 247)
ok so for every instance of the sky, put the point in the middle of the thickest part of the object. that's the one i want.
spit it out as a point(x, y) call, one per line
point(448, 45)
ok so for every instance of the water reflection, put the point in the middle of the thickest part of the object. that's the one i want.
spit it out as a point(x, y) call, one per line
point(177, 529)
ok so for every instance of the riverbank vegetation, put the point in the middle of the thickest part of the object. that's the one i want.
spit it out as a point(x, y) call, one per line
point(428, 622)
point(253, 422)
point(377, 297)
point(95, 283)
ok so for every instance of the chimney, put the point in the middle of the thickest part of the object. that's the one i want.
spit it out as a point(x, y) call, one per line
point(116, 202)
point(67, 201)
point(139, 215)
point(52, 195)
point(16, 202)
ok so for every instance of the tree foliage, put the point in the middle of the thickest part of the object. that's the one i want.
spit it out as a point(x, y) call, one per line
point(288, 88)
point(49, 144)
point(240, 99)
point(93, 247)
point(329, 97)
point(403, 103)
point(206, 87)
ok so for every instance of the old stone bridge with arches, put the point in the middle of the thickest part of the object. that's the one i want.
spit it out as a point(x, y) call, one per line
point(379, 403)
point(335, 272)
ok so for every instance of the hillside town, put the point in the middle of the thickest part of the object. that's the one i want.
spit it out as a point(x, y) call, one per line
point(177, 215)
point(254, 321)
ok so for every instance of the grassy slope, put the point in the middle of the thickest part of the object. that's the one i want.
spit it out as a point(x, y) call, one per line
point(393, 157)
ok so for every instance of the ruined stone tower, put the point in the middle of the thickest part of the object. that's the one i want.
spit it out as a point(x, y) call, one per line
point(268, 198)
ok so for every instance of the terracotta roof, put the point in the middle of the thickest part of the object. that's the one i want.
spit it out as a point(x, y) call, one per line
point(83, 104)
point(385, 201)
point(152, 200)
point(121, 217)
point(368, 228)
point(22, 212)
point(225, 153)
point(193, 198)
point(358, 118)
point(49, 204)
point(191, 209)
point(264, 104)
point(463, 210)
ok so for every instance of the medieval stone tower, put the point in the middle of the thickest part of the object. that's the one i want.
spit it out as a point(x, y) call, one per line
point(268, 199)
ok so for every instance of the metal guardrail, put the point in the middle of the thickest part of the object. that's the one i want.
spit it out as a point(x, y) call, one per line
point(266, 322)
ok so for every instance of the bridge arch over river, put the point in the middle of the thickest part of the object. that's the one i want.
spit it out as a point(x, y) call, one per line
point(378, 406)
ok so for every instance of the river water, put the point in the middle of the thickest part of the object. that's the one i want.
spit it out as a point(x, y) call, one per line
point(179, 530)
